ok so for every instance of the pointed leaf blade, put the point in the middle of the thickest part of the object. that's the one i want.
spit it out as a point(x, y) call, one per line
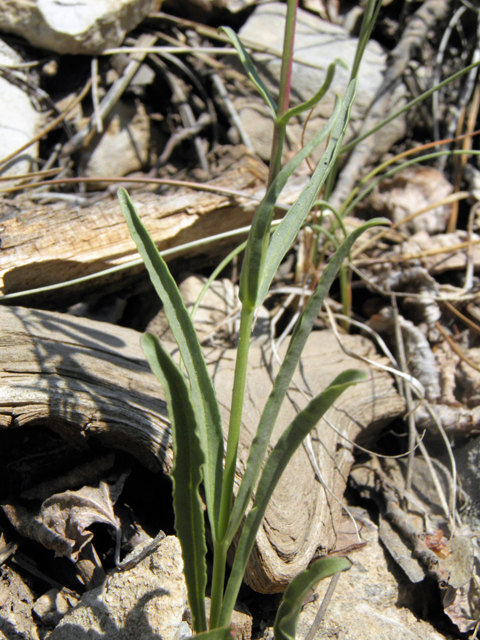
point(203, 396)
point(221, 633)
point(250, 68)
point(258, 238)
point(186, 475)
point(288, 229)
point(315, 99)
point(282, 382)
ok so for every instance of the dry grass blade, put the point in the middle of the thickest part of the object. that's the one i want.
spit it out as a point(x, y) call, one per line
point(407, 257)
point(323, 607)
point(454, 197)
point(458, 350)
point(32, 174)
point(113, 95)
point(472, 325)
point(412, 384)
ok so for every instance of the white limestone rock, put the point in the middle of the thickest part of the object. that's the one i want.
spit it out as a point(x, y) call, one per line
point(146, 602)
point(366, 603)
point(18, 118)
point(234, 6)
point(74, 26)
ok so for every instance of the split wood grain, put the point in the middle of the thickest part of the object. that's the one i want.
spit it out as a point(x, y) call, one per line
point(52, 243)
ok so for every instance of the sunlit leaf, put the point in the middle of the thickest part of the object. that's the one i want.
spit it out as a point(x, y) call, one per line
point(288, 230)
point(221, 633)
point(250, 68)
point(315, 99)
point(188, 460)
point(203, 396)
point(259, 236)
point(273, 405)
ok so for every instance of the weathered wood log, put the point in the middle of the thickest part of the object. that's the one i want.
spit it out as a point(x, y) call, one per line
point(52, 243)
point(81, 379)
point(84, 378)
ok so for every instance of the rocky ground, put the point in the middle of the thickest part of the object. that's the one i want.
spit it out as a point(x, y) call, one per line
point(149, 96)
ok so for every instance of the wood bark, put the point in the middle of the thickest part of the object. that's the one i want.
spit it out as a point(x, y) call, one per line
point(88, 379)
point(52, 243)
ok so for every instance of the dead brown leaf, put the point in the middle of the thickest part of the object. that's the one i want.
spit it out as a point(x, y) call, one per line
point(62, 521)
point(457, 606)
point(412, 190)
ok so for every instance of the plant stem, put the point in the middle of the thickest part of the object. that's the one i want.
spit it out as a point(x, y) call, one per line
point(241, 366)
point(246, 324)
point(218, 581)
point(279, 130)
point(238, 394)
point(346, 295)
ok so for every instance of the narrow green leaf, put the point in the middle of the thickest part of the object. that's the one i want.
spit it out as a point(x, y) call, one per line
point(250, 68)
point(221, 633)
point(278, 459)
point(315, 99)
point(258, 238)
point(370, 16)
point(204, 400)
point(289, 611)
point(188, 461)
point(282, 382)
point(288, 229)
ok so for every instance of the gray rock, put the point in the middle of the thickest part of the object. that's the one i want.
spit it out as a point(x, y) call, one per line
point(16, 602)
point(146, 602)
point(212, 6)
point(126, 145)
point(72, 26)
point(18, 118)
point(53, 605)
point(409, 191)
point(364, 605)
point(185, 631)
point(467, 458)
point(317, 44)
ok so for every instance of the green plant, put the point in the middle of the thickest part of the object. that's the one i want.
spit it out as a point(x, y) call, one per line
point(197, 435)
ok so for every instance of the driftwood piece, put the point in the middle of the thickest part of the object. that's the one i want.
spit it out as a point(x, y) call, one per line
point(52, 243)
point(84, 378)
point(81, 379)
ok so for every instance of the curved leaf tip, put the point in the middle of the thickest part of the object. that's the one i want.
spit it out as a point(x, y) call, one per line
point(292, 603)
point(349, 376)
